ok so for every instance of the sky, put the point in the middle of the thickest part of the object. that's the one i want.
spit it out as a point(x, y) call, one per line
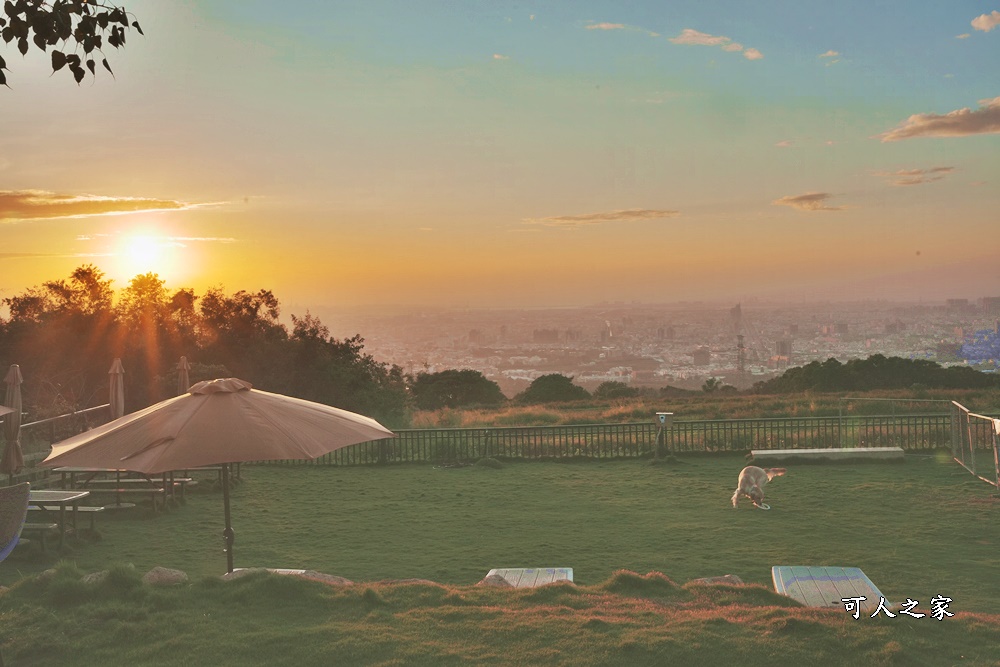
point(492, 153)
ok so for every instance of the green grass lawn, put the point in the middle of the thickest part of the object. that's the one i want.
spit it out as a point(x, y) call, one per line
point(918, 529)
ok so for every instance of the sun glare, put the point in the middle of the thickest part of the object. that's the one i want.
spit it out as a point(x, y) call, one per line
point(140, 254)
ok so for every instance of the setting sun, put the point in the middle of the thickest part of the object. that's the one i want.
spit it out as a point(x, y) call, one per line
point(139, 254)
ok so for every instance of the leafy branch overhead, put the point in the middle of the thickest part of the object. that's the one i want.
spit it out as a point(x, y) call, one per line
point(75, 32)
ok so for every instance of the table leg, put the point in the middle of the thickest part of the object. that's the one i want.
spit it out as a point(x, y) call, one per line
point(62, 525)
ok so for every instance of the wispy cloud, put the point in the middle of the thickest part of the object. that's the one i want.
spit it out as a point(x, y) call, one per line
point(690, 36)
point(964, 35)
point(499, 56)
point(606, 26)
point(787, 143)
point(986, 22)
point(832, 57)
point(693, 37)
point(620, 26)
point(959, 123)
point(915, 176)
point(628, 215)
point(20, 205)
point(811, 201)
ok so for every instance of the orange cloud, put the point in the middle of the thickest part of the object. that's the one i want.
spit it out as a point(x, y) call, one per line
point(811, 201)
point(959, 123)
point(631, 214)
point(986, 22)
point(17, 205)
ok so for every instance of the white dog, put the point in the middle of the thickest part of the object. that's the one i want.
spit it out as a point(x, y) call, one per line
point(752, 481)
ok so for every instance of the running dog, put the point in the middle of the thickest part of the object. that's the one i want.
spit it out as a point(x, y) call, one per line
point(752, 481)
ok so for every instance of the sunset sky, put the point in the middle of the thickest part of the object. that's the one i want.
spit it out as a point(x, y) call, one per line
point(494, 153)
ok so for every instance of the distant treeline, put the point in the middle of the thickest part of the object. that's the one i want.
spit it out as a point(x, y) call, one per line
point(65, 334)
point(876, 372)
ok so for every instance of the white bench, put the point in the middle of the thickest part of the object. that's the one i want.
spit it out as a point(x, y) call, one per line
point(831, 454)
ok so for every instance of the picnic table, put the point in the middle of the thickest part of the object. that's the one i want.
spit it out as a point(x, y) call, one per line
point(50, 500)
point(123, 483)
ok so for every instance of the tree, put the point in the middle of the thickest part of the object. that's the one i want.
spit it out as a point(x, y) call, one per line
point(551, 389)
point(454, 389)
point(613, 390)
point(712, 385)
point(62, 329)
point(84, 25)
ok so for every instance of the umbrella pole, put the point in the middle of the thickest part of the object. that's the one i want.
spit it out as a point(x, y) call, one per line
point(228, 535)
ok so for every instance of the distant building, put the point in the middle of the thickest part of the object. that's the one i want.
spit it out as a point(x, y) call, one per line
point(545, 335)
point(783, 348)
point(990, 305)
point(948, 351)
point(841, 328)
point(895, 327)
point(702, 356)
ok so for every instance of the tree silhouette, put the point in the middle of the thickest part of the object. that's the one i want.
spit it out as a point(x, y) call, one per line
point(552, 388)
point(86, 26)
point(454, 389)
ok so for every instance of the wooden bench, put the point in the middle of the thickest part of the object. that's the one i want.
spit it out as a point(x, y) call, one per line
point(831, 454)
point(40, 530)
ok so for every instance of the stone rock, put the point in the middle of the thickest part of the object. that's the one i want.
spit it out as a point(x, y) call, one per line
point(95, 577)
point(331, 579)
point(724, 579)
point(164, 576)
point(495, 580)
point(47, 575)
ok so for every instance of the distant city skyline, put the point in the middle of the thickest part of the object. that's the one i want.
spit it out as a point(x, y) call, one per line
point(518, 154)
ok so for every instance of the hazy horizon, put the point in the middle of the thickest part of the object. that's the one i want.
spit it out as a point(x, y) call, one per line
point(518, 154)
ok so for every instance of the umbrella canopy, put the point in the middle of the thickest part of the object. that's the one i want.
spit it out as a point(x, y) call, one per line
point(116, 385)
point(217, 422)
point(183, 375)
point(13, 457)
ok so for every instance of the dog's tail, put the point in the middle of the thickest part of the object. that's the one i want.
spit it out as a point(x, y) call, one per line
point(736, 497)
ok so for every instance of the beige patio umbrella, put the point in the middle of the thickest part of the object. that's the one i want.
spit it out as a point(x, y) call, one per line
point(13, 457)
point(218, 422)
point(116, 388)
point(183, 375)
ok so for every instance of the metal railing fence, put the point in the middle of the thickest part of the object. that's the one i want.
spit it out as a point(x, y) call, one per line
point(639, 440)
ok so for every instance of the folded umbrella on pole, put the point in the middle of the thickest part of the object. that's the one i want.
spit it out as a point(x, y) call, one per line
point(217, 422)
point(13, 457)
point(116, 389)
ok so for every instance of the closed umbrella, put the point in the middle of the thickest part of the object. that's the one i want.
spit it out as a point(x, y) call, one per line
point(217, 422)
point(13, 457)
point(116, 386)
point(183, 376)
